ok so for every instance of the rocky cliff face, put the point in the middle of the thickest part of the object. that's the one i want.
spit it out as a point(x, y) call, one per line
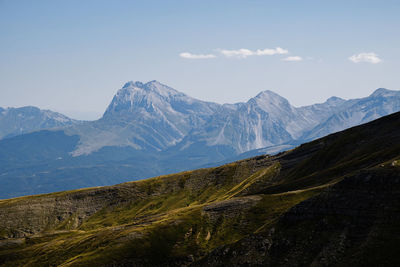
point(334, 202)
point(353, 223)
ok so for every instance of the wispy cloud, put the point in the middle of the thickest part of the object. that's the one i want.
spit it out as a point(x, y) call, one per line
point(196, 56)
point(243, 53)
point(293, 58)
point(365, 57)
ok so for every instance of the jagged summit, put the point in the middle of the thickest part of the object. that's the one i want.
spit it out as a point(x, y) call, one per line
point(155, 97)
point(383, 92)
point(152, 86)
point(334, 100)
point(140, 84)
point(270, 102)
point(268, 94)
point(134, 96)
point(133, 84)
point(269, 97)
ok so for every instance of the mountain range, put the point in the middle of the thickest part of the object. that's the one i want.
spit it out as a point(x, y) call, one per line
point(151, 129)
point(17, 121)
point(330, 202)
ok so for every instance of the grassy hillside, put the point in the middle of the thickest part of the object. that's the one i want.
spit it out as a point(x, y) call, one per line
point(264, 210)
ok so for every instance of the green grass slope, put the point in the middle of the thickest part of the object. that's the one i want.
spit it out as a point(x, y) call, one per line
point(247, 212)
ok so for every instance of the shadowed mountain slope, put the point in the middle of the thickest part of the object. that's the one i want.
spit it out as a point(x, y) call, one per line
point(333, 201)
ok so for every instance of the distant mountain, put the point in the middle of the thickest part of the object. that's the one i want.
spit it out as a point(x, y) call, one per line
point(357, 111)
point(149, 116)
point(269, 120)
point(151, 129)
point(264, 121)
point(16, 121)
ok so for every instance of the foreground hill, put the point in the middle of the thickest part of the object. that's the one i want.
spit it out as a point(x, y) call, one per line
point(333, 201)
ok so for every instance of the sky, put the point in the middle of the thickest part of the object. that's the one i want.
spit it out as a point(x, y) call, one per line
point(72, 56)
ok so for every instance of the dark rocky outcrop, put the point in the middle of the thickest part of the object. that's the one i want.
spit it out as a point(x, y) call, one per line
point(353, 223)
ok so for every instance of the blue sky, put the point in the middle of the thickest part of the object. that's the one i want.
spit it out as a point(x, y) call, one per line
point(72, 56)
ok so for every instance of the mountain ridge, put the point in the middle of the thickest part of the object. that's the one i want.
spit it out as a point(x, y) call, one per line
point(16, 121)
point(155, 130)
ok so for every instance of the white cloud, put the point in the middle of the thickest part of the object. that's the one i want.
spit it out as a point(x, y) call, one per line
point(240, 53)
point(271, 52)
point(365, 57)
point(293, 58)
point(196, 56)
point(243, 53)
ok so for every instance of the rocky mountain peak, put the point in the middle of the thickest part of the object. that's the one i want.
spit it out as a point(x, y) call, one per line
point(334, 100)
point(383, 92)
point(270, 102)
point(137, 95)
point(133, 84)
point(148, 88)
point(268, 96)
point(17, 121)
